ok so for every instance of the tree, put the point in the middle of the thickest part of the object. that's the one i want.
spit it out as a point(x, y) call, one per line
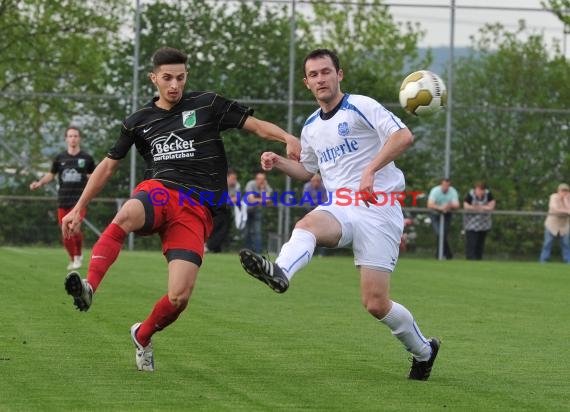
point(374, 49)
point(80, 60)
point(510, 122)
point(559, 7)
point(515, 137)
point(53, 56)
point(242, 52)
point(237, 50)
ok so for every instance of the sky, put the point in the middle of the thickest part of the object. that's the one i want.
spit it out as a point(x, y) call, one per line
point(436, 20)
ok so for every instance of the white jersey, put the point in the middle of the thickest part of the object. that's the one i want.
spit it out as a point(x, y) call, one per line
point(341, 147)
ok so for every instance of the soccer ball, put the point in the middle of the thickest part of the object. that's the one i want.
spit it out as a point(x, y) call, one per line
point(423, 93)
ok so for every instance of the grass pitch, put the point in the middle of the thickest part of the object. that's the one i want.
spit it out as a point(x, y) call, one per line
point(240, 346)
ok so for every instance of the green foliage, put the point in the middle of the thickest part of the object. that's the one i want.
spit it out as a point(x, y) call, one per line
point(508, 126)
point(247, 60)
point(559, 7)
point(71, 62)
point(51, 47)
point(374, 49)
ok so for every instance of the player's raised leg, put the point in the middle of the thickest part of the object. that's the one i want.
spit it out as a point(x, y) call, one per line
point(375, 289)
point(264, 270)
point(316, 227)
point(130, 218)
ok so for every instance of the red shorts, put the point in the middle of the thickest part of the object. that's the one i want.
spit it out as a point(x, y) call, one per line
point(182, 226)
point(61, 212)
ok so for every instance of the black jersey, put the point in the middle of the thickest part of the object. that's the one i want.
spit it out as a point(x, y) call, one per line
point(72, 171)
point(182, 147)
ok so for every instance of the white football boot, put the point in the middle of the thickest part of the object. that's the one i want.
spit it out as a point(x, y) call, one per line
point(143, 354)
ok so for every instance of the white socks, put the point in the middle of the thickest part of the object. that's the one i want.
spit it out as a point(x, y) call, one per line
point(402, 324)
point(297, 252)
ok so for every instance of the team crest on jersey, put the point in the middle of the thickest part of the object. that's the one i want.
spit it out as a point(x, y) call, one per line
point(81, 162)
point(189, 118)
point(343, 129)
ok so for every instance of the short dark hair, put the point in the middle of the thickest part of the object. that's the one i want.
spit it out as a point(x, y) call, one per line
point(168, 55)
point(481, 185)
point(72, 128)
point(319, 53)
point(232, 171)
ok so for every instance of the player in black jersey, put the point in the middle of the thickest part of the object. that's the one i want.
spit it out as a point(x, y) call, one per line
point(73, 168)
point(178, 134)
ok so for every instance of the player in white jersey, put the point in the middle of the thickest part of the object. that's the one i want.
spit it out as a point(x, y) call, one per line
point(352, 141)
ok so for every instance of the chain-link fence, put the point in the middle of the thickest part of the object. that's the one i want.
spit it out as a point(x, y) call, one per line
point(518, 235)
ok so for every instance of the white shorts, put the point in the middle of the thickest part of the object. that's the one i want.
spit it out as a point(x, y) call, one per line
point(375, 232)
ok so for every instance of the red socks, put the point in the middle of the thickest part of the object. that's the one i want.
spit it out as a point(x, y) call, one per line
point(162, 315)
point(77, 243)
point(69, 244)
point(73, 245)
point(105, 252)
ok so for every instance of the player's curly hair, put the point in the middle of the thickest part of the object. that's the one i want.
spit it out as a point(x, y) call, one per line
point(168, 55)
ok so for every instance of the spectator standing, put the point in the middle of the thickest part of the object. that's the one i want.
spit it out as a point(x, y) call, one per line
point(477, 225)
point(443, 199)
point(258, 194)
point(557, 224)
point(222, 221)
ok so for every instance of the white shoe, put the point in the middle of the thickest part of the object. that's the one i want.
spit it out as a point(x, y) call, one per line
point(76, 264)
point(143, 355)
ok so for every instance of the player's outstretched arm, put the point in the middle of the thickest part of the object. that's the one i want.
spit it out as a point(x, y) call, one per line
point(293, 168)
point(48, 177)
point(99, 177)
point(271, 131)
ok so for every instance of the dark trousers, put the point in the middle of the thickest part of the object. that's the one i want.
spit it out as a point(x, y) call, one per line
point(446, 225)
point(253, 235)
point(474, 244)
point(220, 232)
